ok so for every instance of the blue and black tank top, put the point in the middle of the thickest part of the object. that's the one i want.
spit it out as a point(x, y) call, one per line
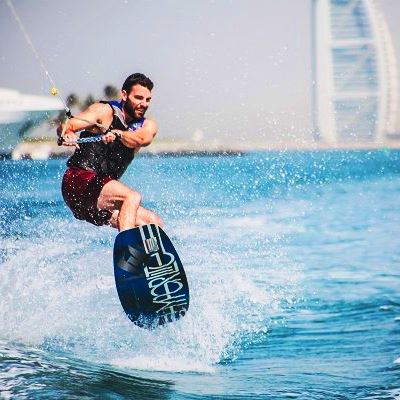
point(107, 159)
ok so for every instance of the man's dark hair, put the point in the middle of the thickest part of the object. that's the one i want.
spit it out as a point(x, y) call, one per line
point(137, 79)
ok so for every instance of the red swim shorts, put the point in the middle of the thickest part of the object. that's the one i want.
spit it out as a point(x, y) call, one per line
point(81, 189)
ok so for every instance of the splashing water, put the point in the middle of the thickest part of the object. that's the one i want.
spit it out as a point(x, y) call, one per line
point(58, 291)
point(264, 239)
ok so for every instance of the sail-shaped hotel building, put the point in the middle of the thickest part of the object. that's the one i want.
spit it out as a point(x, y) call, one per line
point(355, 78)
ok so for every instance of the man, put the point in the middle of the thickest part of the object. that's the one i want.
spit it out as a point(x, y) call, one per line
point(91, 186)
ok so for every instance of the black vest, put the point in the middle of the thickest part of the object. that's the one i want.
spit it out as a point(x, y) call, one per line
point(106, 159)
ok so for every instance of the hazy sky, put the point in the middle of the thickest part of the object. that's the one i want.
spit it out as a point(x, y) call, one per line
point(234, 69)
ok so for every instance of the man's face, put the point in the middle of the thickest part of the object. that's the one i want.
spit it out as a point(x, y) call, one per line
point(137, 101)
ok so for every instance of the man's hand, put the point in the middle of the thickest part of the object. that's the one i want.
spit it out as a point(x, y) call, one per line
point(109, 137)
point(141, 137)
point(70, 137)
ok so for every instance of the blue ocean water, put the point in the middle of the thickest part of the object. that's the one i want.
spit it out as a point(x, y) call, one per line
point(293, 263)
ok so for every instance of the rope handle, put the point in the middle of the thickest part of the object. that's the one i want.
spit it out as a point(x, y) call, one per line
point(90, 139)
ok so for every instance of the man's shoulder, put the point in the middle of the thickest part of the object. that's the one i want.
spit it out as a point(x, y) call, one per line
point(151, 126)
point(151, 123)
point(100, 107)
point(115, 104)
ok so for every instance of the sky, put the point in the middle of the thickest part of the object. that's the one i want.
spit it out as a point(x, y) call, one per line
point(230, 70)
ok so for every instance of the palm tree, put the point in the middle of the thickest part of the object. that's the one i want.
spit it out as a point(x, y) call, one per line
point(72, 100)
point(111, 92)
point(87, 102)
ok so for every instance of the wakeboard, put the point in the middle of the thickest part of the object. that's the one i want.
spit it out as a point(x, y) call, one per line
point(149, 276)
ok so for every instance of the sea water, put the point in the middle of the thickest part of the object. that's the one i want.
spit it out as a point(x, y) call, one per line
point(292, 260)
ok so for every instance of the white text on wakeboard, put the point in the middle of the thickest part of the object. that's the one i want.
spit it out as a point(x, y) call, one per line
point(165, 284)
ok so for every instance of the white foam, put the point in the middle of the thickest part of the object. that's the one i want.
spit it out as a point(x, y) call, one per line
point(60, 294)
point(170, 364)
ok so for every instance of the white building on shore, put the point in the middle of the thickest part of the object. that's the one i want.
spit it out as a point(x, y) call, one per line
point(355, 82)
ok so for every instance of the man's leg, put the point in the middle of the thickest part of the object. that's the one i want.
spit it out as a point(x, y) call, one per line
point(145, 216)
point(125, 205)
point(116, 196)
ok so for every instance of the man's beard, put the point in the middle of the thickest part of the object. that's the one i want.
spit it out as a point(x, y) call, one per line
point(130, 111)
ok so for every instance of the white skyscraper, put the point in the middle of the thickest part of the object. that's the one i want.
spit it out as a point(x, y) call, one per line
point(355, 83)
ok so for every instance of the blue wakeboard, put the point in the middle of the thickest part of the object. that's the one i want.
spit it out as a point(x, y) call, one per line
point(150, 279)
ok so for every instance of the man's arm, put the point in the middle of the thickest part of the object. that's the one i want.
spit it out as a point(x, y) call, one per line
point(95, 116)
point(141, 137)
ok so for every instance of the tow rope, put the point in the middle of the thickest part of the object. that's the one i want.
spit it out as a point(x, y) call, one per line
point(54, 90)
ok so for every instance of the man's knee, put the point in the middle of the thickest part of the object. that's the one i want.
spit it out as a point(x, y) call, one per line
point(133, 198)
point(155, 219)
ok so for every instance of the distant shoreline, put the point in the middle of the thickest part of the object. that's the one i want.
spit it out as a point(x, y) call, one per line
point(46, 149)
